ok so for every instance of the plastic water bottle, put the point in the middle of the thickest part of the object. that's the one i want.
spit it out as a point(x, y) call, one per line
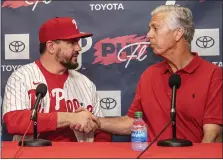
point(139, 133)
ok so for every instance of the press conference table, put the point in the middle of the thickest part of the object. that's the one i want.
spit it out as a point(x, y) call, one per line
point(110, 150)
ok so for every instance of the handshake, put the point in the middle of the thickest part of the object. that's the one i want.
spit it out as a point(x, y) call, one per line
point(84, 121)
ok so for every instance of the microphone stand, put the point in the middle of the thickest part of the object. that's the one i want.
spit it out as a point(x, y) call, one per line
point(35, 142)
point(174, 142)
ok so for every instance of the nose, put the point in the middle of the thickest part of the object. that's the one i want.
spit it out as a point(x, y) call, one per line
point(149, 35)
point(77, 47)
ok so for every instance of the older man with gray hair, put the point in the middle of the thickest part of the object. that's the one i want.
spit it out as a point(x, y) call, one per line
point(199, 99)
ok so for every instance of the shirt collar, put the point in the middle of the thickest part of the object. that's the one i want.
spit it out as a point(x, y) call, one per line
point(189, 68)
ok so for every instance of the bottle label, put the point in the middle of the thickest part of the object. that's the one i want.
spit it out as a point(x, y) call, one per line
point(139, 136)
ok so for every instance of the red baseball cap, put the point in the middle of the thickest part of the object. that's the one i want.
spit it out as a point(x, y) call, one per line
point(60, 28)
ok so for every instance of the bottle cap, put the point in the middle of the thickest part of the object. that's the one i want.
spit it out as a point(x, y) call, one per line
point(138, 114)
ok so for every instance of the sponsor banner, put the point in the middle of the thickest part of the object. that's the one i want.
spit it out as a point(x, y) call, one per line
point(206, 42)
point(110, 103)
point(219, 64)
point(118, 52)
point(106, 7)
point(9, 68)
point(16, 46)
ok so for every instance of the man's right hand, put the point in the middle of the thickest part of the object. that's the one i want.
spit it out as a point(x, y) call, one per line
point(82, 119)
point(92, 122)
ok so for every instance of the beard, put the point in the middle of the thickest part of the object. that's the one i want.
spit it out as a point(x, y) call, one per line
point(69, 65)
point(65, 61)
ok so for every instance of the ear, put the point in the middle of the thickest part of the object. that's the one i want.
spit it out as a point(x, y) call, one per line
point(178, 33)
point(51, 47)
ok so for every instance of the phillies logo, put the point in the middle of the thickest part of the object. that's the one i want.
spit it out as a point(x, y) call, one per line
point(25, 3)
point(57, 96)
point(84, 49)
point(71, 105)
point(121, 49)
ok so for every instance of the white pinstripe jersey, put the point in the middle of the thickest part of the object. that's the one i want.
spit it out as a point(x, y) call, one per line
point(77, 90)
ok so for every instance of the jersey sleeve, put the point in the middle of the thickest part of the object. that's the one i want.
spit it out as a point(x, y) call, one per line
point(16, 94)
point(46, 122)
point(17, 108)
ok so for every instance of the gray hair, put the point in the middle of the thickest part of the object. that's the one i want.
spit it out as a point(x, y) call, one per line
point(178, 17)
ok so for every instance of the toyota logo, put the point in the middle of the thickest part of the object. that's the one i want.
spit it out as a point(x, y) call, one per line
point(205, 42)
point(108, 103)
point(16, 46)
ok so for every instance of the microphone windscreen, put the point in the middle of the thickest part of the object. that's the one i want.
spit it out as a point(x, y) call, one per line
point(174, 80)
point(41, 89)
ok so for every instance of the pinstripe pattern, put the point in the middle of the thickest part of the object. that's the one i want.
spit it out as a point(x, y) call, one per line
point(77, 86)
point(81, 88)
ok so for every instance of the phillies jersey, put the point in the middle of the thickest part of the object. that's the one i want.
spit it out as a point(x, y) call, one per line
point(66, 93)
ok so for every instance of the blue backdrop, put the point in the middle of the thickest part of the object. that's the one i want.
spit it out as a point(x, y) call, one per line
point(116, 25)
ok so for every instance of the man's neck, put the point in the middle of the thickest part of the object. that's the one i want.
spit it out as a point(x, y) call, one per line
point(52, 66)
point(178, 58)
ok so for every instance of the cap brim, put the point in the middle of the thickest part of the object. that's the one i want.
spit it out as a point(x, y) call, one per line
point(80, 35)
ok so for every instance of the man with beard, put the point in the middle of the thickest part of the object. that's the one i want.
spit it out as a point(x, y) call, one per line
point(67, 91)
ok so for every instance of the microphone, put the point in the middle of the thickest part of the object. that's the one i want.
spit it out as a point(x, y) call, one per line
point(174, 83)
point(41, 91)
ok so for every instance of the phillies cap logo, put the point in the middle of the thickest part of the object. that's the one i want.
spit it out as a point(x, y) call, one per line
point(74, 22)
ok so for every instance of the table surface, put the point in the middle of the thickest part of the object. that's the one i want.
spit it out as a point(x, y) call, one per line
point(110, 150)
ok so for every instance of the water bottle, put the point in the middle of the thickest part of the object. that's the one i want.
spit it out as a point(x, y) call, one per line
point(139, 133)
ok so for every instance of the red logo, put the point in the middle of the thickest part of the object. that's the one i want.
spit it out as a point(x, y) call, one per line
point(15, 4)
point(20, 3)
point(121, 49)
